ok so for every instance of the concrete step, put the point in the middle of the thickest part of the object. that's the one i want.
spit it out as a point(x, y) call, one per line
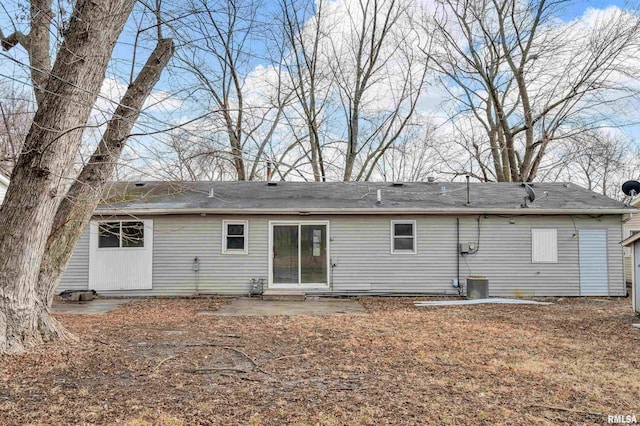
point(284, 295)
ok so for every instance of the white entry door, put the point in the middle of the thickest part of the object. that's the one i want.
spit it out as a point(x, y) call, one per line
point(594, 276)
point(120, 255)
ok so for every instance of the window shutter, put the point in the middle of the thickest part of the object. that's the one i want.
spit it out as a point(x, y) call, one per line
point(544, 245)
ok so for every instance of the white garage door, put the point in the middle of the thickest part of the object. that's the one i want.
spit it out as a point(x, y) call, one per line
point(120, 255)
point(593, 262)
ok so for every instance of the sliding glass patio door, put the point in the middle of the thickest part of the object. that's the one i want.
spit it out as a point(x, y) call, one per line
point(299, 254)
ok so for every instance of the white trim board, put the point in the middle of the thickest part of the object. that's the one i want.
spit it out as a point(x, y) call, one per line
point(243, 251)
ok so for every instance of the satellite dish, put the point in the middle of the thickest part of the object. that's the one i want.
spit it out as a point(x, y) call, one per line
point(631, 188)
point(531, 195)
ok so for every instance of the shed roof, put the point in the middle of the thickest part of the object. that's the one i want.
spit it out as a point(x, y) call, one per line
point(630, 240)
point(351, 197)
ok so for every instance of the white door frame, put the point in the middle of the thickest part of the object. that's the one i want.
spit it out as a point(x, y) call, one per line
point(299, 285)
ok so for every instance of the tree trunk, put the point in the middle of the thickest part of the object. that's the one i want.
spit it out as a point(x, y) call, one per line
point(314, 155)
point(76, 208)
point(34, 194)
point(352, 143)
point(238, 157)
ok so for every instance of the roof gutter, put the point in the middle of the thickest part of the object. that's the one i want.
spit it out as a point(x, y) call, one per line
point(324, 211)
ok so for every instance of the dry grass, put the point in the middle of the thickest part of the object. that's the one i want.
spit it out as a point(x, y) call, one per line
point(157, 362)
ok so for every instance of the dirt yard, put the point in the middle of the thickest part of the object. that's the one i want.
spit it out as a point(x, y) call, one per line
point(159, 362)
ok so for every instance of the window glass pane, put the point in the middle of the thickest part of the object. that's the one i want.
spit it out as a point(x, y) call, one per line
point(313, 254)
point(109, 234)
point(235, 229)
point(285, 254)
point(235, 243)
point(132, 234)
point(403, 229)
point(403, 244)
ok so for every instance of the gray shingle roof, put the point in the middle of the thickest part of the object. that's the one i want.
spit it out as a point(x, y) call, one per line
point(258, 197)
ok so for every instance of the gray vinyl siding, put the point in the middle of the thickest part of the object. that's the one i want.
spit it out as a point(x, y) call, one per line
point(505, 255)
point(179, 239)
point(76, 276)
point(360, 246)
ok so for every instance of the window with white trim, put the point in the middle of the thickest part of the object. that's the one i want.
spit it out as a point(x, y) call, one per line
point(235, 236)
point(544, 245)
point(403, 236)
point(121, 234)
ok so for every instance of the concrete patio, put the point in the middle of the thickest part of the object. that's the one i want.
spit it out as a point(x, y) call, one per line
point(93, 307)
point(312, 306)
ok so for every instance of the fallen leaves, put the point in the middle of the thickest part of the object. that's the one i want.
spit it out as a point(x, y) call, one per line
point(157, 362)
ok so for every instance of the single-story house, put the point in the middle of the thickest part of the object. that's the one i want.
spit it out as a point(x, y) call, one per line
point(181, 238)
point(4, 184)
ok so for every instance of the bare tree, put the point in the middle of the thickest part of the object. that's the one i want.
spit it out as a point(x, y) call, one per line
point(526, 78)
point(412, 159)
point(598, 160)
point(220, 52)
point(76, 209)
point(32, 198)
point(378, 78)
point(183, 155)
point(306, 32)
point(36, 230)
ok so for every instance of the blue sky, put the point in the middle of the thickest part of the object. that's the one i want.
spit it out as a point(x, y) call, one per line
point(577, 8)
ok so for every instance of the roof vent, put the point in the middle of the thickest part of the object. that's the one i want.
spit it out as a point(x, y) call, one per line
point(272, 183)
point(397, 184)
point(139, 184)
point(431, 179)
point(212, 194)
